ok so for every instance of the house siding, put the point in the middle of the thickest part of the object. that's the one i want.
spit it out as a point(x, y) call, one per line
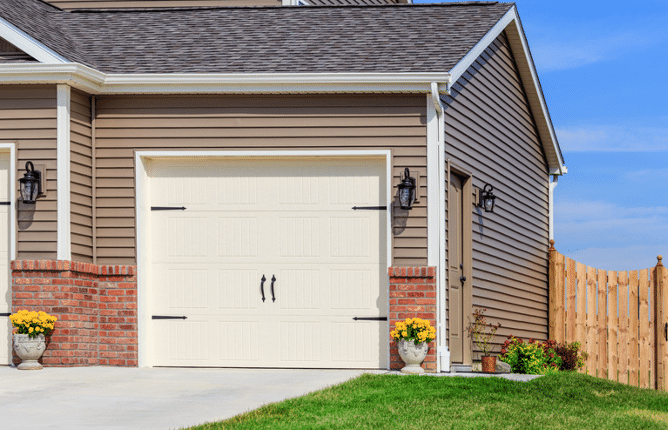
point(124, 125)
point(490, 132)
point(28, 119)
point(11, 54)
point(132, 4)
point(81, 177)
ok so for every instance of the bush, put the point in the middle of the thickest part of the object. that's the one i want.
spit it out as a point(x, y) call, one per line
point(531, 358)
point(571, 357)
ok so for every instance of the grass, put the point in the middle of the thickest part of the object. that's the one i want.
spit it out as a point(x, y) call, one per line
point(563, 401)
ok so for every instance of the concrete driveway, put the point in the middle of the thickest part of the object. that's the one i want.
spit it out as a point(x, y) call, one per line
point(152, 398)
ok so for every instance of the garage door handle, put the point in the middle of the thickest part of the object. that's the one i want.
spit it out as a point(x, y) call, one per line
point(273, 279)
point(4, 314)
point(262, 286)
point(167, 317)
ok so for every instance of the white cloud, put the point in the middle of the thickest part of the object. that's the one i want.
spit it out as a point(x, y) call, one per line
point(648, 176)
point(596, 138)
point(636, 257)
point(611, 237)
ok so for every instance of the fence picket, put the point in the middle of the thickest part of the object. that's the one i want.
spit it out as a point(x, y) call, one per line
point(602, 366)
point(591, 321)
point(633, 328)
point(581, 311)
point(643, 327)
point(662, 325)
point(570, 300)
point(612, 325)
point(623, 324)
point(560, 292)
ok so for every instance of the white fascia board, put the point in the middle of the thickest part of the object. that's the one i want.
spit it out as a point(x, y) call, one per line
point(511, 21)
point(28, 44)
point(95, 82)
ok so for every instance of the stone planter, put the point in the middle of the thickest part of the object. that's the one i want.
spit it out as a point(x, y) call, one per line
point(413, 355)
point(29, 350)
point(488, 364)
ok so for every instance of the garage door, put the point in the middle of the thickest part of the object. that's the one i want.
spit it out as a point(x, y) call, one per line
point(5, 294)
point(265, 263)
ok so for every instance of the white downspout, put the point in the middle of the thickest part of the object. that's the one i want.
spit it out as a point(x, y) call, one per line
point(553, 185)
point(443, 353)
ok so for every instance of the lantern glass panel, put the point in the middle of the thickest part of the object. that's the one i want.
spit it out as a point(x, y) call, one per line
point(29, 191)
point(489, 204)
point(406, 198)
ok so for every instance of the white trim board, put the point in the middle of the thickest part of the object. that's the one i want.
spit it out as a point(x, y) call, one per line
point(28, 44)
point(11, 148)
point(95, 82)
point(64, 248)
point(145, 358)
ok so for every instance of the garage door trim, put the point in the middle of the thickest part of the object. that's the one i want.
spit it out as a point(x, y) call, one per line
point(143, 209)
point(8, 150)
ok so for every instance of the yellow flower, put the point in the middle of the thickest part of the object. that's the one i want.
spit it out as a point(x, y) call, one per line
point(30, 330)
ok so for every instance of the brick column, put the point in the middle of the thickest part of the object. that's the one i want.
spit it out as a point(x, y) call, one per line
point(412, 295)
point(96, 307)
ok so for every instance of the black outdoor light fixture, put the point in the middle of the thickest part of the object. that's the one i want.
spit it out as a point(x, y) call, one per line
point(31, 183)
point(407, 191)
point(486, 199)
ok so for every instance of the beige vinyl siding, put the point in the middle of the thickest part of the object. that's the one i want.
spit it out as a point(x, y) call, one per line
point(325, 122)
point(81, 177)
point(490, 132)
point(129, 4)
point(28, 119)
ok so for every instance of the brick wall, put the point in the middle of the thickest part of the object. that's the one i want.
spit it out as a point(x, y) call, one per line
point(96, 307)
point(412, 295)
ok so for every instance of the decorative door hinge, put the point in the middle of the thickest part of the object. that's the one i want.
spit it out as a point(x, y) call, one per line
point(167, 317)
point(370, 318)
point(167, 208)
point(369, 208)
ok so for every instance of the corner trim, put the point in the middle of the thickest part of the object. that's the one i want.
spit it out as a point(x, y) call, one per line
point(64, 249)
point(11, 147)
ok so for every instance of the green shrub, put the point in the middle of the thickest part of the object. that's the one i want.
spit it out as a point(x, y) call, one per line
point(531, 358)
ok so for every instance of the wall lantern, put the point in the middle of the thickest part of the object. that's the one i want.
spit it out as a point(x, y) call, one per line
point(31, 183)
point(407, 191)
point(486, 198)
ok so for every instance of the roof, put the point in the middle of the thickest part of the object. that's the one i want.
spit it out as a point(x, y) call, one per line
point(354, 39)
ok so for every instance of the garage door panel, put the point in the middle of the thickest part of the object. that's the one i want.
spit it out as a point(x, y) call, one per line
point(239, 289)
point(182, 342)
point(239, 342)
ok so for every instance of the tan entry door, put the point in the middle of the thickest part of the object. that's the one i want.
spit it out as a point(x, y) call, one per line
point(5, 293)
point(279, 229)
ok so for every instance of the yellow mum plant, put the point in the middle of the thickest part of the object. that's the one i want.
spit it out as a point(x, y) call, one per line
point(413, 329)
point(33, 323)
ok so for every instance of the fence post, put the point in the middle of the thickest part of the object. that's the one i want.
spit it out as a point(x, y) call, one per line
point(556, 291)
point(661, 324)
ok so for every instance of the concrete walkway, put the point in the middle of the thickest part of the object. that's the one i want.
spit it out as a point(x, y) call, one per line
point(107, 398)
point(148, 398)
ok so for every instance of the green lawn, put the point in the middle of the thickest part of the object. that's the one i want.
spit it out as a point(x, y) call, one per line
point(563, 401)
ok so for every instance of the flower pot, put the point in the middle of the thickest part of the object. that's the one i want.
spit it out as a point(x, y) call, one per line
point(489, 364)
point(29, 350)
point(413, 355)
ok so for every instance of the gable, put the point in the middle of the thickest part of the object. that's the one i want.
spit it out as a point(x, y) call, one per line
point(11, 54)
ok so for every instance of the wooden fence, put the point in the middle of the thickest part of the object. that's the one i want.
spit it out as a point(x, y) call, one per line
point(619, 318)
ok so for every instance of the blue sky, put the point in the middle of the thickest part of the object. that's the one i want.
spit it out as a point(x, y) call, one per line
point(603, 66)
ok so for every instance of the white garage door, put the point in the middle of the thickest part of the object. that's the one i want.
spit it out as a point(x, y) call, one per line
point(5, 293)
point(268, 263)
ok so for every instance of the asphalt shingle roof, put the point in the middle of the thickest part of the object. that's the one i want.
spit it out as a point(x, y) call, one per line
point(390, 38)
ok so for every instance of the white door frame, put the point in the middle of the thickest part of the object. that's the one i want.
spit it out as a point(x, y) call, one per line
point(145, 353)
point(9, 149)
